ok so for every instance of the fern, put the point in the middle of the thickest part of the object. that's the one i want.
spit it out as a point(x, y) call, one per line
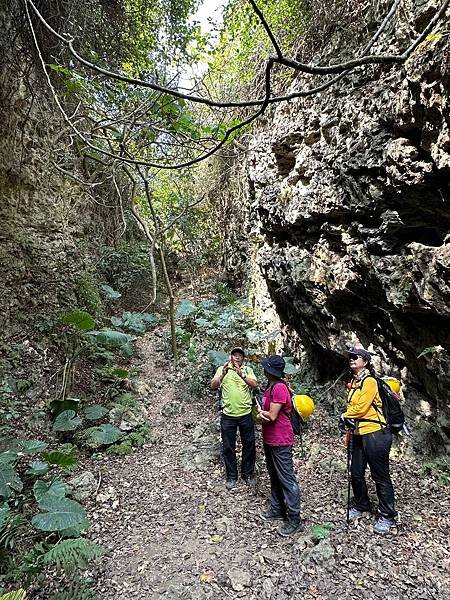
point(72, 554)
point(9, 531)
point(77, 592)
point(18, 595)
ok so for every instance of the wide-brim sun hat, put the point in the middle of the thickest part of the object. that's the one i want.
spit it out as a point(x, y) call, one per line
point(274, 365)
point(359, 351)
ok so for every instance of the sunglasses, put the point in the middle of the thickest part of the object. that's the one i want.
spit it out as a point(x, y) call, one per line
point(354, 356)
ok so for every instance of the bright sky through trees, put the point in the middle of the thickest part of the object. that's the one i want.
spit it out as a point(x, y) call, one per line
point(210, 17)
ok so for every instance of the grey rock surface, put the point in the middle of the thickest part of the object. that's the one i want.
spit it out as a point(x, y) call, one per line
point(348, 209)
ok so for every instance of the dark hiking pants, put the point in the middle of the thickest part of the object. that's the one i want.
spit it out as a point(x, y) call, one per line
point(229, 428)
point(285, 491)
point(373, 449)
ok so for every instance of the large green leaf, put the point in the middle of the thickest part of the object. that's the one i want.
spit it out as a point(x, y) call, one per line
point(185, 308)
point(30, 446)
point(217, 358)
point(8, 458)
point(37, 467)
point(60, 514)
point(60, 458)
point(79, 319)
point(54, 489)
point(66, 421)
point(110, 293)
point(290, 368)
point(95, 411)
point(4, 512)
point(59, 406)
point(9, 480)
point(103, 435)
point(110, 338)
point(134, 322)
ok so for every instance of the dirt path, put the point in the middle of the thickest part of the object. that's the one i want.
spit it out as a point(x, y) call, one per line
point(174, 531)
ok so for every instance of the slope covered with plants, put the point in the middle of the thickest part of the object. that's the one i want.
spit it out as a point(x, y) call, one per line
point(289, 196)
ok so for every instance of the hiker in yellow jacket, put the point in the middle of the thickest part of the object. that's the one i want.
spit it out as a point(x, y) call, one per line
point(372, 442)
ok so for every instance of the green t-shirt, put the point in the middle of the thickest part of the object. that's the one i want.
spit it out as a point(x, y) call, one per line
point(236, 394)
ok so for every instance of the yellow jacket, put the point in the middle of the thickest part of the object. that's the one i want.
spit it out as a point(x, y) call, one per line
point(362, 394)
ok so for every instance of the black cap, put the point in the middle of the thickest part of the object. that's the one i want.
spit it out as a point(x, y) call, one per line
point(274, 365)
point(238, 349)
point(360, 351)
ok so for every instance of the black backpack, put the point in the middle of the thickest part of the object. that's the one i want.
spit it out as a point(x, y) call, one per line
point(390, 408)
point(294, 417)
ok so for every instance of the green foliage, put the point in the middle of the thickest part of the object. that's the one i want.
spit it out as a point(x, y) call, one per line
point(439, 468)
point(59, 514)
point(217, 358)
point(88, 295)
point(10, 481)
point(113, 340)
point(237, 60)
point(185, 308)
point(78, 591)
point(9, 530)
point(37, 467)
point(79, 319)
point(320, 532)
point(102, 435)
point(131, 440)
point(59, 406)
point(127, 266)
point(110, 293)
point(30, 446)
point(95, 412)
point(53, 489)
point(4, 512)
point(430, 350)
point(66, 421)
point(72, 554)
point(17, 595)
point(61, 458)
point(133, 322)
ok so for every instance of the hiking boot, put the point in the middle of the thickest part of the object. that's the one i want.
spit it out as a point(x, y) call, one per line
point(292, 526)
point(355, 514)
point(271, 515)
point(383, 526)
point(250, 481)
point(231, 484)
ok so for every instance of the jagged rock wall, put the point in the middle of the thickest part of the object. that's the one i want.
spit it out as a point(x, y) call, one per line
point(348, 196)
point(50, 223)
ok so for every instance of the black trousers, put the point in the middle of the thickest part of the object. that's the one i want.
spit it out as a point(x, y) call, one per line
point(373, 449)
point(285, 491)
point(229, 428)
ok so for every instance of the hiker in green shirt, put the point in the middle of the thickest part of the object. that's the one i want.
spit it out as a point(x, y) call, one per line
point(236, 382)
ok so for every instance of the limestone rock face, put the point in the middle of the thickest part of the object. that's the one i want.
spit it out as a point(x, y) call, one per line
point(349, 199)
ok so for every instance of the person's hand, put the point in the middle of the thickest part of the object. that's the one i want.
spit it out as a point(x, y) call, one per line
point(262, 417)
point(345, 423)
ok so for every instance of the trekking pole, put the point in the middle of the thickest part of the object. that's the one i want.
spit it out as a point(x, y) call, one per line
point(349, 444)
point(300, 435)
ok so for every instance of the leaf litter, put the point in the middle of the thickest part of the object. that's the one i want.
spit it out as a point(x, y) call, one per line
point(173, 531)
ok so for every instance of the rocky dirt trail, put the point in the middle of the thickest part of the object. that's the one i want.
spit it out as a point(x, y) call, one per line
point(173, 530)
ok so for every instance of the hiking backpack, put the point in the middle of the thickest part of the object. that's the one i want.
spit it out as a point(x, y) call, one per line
point(390, 407)
point(294, 416)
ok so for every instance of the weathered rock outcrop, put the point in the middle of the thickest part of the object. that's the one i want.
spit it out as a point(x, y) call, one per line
point(50, 222)
point(349, 195)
